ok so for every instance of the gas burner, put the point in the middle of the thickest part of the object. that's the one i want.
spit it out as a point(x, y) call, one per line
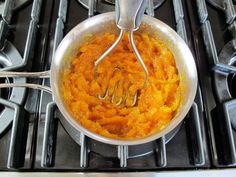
point(9, 56)
point(17, 4)
point(108, 5)
point(225, 82)
point(111, 151)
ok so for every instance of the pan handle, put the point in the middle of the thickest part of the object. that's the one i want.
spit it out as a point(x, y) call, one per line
point(40, 75)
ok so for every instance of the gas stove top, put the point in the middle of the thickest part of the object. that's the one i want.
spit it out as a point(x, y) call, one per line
point(32, 137)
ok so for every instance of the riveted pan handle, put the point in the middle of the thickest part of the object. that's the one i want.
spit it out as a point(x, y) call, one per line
point(42, 75)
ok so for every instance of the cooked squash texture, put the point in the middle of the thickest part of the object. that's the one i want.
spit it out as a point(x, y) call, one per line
point(122, 76)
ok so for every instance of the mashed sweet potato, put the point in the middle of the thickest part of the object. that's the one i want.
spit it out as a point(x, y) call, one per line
point(156, 104)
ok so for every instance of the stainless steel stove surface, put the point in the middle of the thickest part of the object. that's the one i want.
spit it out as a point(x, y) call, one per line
point(32, 138)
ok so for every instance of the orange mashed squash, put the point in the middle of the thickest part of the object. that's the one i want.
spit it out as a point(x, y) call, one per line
point(156, 104)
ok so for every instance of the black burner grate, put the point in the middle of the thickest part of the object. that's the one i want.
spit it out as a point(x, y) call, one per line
point(18, 141)
point(37, 139)
point(217, 94)
point(187, 149)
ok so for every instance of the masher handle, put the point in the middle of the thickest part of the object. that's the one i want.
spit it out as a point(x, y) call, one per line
point(129, 13)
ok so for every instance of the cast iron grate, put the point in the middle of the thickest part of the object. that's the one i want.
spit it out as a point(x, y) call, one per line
point(87, 159)
point(220, 102)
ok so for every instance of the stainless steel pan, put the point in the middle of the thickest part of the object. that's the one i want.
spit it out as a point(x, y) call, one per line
point(106, 23)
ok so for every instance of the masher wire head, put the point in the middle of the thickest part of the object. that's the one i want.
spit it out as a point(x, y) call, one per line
point(129, 15)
